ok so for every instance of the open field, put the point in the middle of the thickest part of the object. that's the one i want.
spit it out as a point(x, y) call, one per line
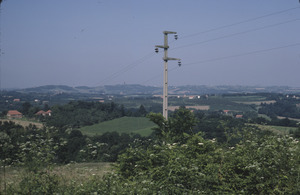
point(276, 129)
point(24, 122)
point(70, 173)
point(79, 172)
point(173, 108)
point(137, 125)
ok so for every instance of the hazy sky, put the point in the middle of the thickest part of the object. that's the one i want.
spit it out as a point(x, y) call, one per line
point(103, 42)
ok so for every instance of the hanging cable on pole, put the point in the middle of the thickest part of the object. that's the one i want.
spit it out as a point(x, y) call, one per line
point(166, 59)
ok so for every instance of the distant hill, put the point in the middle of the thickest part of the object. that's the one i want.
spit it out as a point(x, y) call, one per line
point(107, 89)
point(135, 89)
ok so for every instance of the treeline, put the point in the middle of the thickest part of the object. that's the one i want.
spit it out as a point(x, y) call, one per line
point(77, 114)
point(286, 107)
point(26, 145)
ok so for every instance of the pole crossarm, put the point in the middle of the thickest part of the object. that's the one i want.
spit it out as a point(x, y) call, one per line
point(166, 59)
point(169, 32)
point(162, 46)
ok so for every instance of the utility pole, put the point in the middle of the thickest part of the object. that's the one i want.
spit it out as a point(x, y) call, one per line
point(166, 59)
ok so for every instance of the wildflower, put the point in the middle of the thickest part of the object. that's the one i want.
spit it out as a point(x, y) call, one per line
point(200, 144)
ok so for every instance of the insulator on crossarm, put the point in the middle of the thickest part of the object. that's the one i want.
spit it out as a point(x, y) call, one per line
point(176, 37)
point(156, 50)
point(179, 63)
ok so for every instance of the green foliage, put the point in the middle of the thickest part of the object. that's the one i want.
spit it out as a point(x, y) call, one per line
point(76, 114)
point(286, 107)
point(162, 125)
point(263, 164)
point(259, 164)
point(220, 127)
point(40, 182)
point(182, 121)
point(296, 133)
point(176, 127)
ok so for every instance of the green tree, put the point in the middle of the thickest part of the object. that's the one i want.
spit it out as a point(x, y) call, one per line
point(182, 122)
point(142, 111)
point(25, 108)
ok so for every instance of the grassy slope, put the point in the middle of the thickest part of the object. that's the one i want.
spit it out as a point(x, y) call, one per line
point(70, 173)
point(276, 129)
point(138, 125)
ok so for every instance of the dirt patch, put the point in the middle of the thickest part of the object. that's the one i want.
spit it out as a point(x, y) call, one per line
point(293, 119)
point(173, 108)
point(24, 123)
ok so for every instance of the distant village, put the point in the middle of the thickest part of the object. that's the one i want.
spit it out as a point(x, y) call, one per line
point(15, 114)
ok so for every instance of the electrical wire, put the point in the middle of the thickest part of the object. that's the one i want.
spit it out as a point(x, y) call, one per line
point(127, 68)
point(138, 62)
point(238, 23)
point(236, 34)
point(243, 54)
point(227, 57)
point(241, 22)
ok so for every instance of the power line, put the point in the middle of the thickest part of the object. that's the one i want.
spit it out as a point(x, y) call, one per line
point(138, 62)
point(241, 22)
point(238, 33)
point(228, 57)
point(127, 68)
point(243, 54)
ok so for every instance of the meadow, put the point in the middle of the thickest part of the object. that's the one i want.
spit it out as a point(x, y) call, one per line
point(276, 129)
point(69, 174)
point(136, 125)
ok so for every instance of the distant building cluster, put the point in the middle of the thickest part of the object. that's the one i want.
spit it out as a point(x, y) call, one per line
point(43, 113)
point(14, 114)
point(231, 113)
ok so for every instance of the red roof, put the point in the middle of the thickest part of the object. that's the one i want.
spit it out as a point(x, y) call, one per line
point(40, 112)
point(48, 112)
point(14, 112)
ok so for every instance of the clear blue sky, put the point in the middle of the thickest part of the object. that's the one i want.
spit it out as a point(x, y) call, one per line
point(103, 42)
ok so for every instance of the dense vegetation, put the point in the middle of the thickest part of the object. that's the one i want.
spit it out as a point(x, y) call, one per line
point(78, 113)
point(286, 107)
point(176, 160)
point(20, 145)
